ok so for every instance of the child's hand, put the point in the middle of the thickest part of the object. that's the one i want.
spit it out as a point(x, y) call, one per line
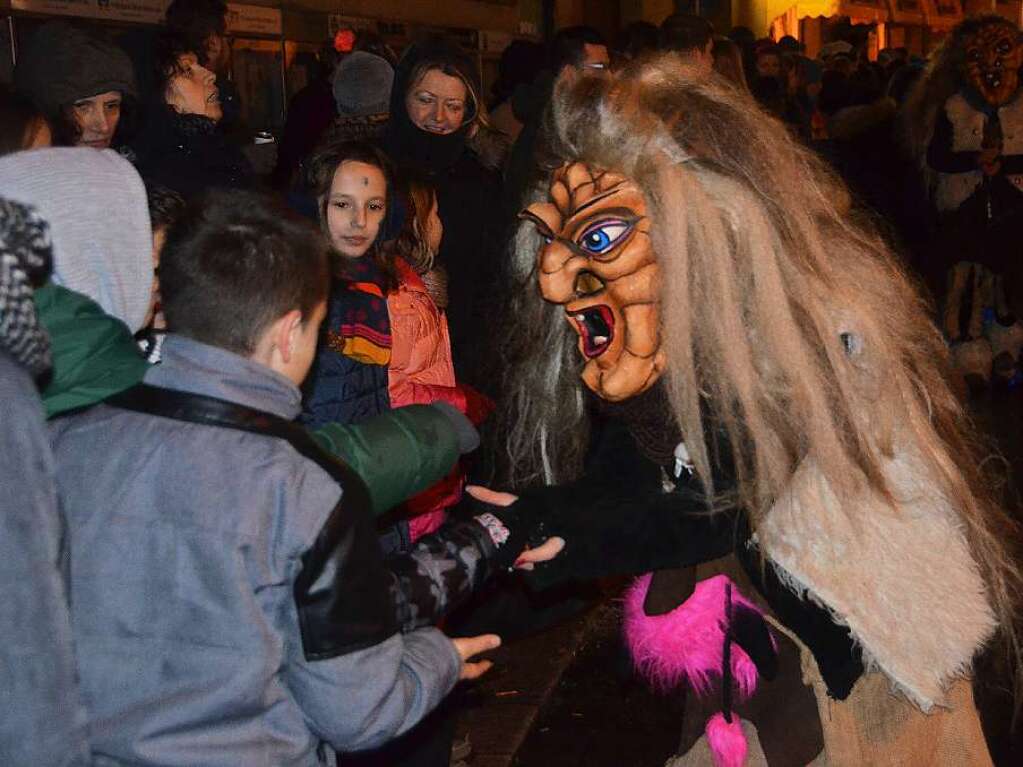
point(545, 552)
point(468, 647)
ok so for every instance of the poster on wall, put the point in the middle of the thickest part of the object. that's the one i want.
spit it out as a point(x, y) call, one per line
point(337, 21)
point(253, 20)
point(250, 19)
point(132, 11)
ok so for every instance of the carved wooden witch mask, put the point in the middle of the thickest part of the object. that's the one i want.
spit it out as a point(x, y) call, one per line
point(599, 264)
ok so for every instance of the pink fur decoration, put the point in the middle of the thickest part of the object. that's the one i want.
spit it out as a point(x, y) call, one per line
point(727, 741)
point(686, 643)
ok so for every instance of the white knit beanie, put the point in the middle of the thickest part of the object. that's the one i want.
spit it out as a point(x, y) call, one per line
point(95, 203)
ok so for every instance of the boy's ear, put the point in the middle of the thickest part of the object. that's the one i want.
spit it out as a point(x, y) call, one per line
point(287, 329)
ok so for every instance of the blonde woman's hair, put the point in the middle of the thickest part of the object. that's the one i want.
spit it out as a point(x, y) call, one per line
point(788, 323)
point(411, 243)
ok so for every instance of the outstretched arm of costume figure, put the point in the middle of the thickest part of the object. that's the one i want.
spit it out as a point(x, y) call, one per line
point(624, 535)
point(940, 155)
point(398, 453)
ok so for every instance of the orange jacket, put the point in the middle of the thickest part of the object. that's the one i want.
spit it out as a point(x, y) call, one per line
point(421, 372)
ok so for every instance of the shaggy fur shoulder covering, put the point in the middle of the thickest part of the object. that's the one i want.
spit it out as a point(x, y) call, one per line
point(901, 577)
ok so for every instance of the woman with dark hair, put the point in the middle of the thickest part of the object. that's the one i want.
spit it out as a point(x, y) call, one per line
point(180, 147)
point(83, 85)
point(439, 130)
point(22, 126)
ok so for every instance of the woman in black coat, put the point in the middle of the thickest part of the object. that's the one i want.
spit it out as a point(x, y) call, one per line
point(438, 131)
point(180, 146)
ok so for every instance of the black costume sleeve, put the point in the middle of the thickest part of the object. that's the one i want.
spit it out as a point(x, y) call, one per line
point(445, 568)
point(625, 535)
point(940, 155)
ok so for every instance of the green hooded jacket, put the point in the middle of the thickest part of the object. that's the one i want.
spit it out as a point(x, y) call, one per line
point(397, 454)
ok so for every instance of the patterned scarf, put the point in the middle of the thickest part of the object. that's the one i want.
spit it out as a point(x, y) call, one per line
point(362, 328)
point(26, 258)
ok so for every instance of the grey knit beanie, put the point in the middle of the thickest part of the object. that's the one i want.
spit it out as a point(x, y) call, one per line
point(62, 64)
point(362, 85)
point(95, 203)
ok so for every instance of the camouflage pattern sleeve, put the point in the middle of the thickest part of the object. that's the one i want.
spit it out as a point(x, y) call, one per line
point(444, 569)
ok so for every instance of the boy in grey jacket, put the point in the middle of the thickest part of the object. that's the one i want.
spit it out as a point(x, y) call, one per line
point(229, 602)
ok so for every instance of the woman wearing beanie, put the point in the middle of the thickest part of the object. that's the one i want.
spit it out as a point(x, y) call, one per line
point(83, 85)
point(438, 130)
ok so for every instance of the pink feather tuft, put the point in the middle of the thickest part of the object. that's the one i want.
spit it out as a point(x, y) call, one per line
point(686, 643)
point(727, 741)
point(744, 671)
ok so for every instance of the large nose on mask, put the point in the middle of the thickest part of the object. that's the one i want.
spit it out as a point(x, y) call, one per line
point(561, 270)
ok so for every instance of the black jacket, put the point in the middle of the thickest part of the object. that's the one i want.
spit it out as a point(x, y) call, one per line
point(189, 154)
point(468, 196)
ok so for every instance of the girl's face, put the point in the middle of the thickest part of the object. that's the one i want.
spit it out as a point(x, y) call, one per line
point(356, 205)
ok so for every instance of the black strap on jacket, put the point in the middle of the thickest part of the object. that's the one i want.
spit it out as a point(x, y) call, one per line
point(342, 594)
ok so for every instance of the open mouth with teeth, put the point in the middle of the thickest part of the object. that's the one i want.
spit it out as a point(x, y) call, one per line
point(992, 79)
point(595, 325)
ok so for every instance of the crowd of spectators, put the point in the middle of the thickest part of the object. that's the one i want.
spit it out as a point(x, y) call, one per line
point(371, 258)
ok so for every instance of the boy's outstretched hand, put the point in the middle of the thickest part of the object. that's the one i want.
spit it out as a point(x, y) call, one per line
point(468, 647)
point(545, 552)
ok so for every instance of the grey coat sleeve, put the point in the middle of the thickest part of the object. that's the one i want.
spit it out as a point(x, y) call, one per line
point(363, 699)
point(42, 721)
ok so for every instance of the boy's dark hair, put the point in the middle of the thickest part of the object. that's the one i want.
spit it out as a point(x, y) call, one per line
point(567, 46)
point(234, 263)
point(684, 33)
point(165, 206)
